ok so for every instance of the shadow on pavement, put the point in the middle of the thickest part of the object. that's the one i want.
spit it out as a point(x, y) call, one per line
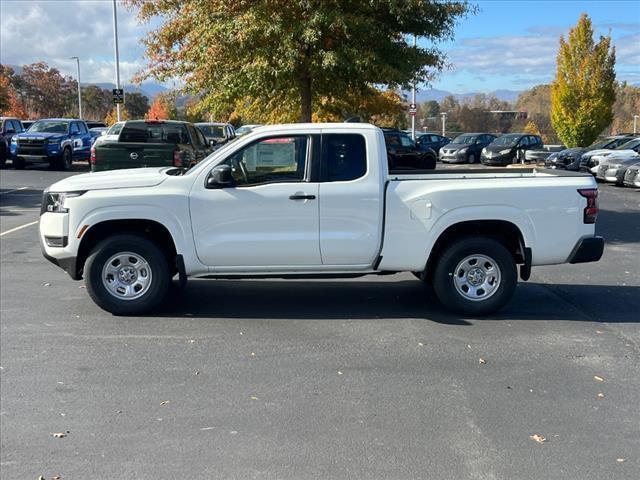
point(618, 226)
point(357, 300)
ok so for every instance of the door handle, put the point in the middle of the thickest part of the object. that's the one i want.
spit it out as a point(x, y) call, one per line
point(302, 197)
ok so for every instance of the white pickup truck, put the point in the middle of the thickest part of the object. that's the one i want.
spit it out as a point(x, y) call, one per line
point(310, 200)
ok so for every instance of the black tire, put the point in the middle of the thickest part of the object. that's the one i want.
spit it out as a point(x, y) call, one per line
point(3, 154)
point(19, 163)
point(65, 161)
point(445, 271)
point(472, 158)
point(156, 260)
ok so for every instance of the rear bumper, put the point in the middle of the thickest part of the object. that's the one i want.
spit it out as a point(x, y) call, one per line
point(587, 250)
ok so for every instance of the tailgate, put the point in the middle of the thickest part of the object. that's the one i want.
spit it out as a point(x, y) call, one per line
point(118, 155)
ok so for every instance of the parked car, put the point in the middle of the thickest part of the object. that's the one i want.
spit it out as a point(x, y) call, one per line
point(465, 148)
point(27, 124)
point(331, 210)
point(403, 153)
point(627, 150)
point(244, 129)
point(543, 153)
point(219, 133)
point(510, 148)
point(578, 158)
point(111, 135)
point(632, 176)
point(94, 124)
point(97, 132)
point(57, 141)
point(9, 127)
point(432, 140)
point(613, 170)
point(150, 143)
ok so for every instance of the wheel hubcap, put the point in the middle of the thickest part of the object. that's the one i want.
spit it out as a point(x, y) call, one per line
point(126, 276)
point(477, 277)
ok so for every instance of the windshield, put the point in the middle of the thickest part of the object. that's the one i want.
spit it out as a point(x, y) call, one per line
point(630, 145)
point(506, 140)
point(465, 139)
point(602, 143)
point(215, 131)
point(50, 126)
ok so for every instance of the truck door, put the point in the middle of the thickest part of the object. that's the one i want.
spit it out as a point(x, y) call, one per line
point(269, 216)
point(351, 195)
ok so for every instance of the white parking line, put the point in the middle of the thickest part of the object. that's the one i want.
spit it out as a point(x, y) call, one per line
point(18, 228)
point(14, 190)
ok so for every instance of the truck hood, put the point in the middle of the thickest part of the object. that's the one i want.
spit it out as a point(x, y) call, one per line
point(42, 136)
point(126, 178)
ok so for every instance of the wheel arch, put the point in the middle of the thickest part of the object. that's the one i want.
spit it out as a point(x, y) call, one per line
point(149, 229)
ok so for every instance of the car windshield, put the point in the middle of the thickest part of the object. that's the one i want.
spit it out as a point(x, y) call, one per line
point(244, 129)
point(50, 126)
point(506, 140)
point(465, 139)
point(630, 145)
point(215, 131)
point(602, 143)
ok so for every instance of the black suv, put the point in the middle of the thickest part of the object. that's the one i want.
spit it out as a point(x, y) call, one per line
point(404, 154)
point(509, 148)
point(8, 128)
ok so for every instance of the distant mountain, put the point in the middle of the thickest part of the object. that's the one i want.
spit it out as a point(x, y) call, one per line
point(438, 95)
point(149, 89)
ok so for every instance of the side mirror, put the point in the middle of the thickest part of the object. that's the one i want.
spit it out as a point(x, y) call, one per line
point(220, 177)
point(212, 142)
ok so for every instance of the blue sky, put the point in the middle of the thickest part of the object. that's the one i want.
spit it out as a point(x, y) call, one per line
point(507, 45)
point(513, 44)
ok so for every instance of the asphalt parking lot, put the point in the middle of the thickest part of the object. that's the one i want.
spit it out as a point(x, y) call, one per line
point(360, 379)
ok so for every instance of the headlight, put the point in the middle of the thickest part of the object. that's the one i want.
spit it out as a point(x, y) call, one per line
point(504, 152)
point(484, 151)
point(56, 202)
point(14, 139)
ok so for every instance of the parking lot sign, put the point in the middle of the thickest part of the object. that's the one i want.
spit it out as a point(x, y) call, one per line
point(413, 109)
point(118, 95)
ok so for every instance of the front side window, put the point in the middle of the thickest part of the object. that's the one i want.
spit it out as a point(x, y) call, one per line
point(271, 160)
point(406, 141)
point(74, 129)
point(392, 140)
point(345, 157)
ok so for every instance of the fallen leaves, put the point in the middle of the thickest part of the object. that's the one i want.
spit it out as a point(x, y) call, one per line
point(598, 378)
point(620, 460)
point(339, 372)
point(60, 434)
point(482, 361)
point(253, 397)
point(537, 438)
point(601, 395)
point(164, 402)
point(420, 344)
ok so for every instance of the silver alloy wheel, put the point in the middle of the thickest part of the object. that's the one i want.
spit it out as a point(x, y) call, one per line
point(126, 276)
point(477, 277)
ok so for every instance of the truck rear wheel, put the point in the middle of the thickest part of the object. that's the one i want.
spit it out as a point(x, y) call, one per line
point(127, 275)
point(475, 276)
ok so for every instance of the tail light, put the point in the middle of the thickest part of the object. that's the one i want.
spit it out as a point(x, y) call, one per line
point(92, 159)
point(591, 210)
point(177, 158)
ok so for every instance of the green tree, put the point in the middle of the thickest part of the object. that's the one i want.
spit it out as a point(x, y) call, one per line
point(294, 52)
point(137, 104)
point(96, 102)
point(430, 108)
point(584, 90)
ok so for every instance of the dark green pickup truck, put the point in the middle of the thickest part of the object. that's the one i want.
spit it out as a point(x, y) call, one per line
point(151, 143)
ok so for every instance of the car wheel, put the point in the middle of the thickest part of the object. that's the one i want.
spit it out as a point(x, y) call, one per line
point(66, 160)
point(127, 275)
point(475, 276)
point(472, 158)
point(19, 163)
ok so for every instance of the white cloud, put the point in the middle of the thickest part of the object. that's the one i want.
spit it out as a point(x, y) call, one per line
point(52, 32)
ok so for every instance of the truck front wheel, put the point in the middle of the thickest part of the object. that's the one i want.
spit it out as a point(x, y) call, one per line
point(127, 275)
point(475, 276)
point(65, 161)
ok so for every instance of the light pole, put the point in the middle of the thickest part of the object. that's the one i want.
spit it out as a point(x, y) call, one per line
point(115, 44)
point(635, 124)
point(77, 59)
point(413, 102)
point(444, 122)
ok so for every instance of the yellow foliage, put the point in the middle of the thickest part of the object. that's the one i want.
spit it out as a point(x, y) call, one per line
point(112, 116)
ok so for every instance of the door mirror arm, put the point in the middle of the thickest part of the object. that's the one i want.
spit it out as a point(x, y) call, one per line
point(220, 177)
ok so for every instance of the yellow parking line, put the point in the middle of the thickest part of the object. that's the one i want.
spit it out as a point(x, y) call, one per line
point(18, 228)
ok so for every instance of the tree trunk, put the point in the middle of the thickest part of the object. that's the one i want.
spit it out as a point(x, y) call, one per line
point(305, 97)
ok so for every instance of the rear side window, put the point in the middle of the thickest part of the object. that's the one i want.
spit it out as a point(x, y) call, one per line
point(154, 133)
point(344, 157)
point(392, 140)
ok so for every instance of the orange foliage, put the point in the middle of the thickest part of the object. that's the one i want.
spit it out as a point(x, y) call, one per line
point(158, 110)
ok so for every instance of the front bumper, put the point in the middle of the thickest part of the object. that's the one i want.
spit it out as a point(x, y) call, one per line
point(587, 250)
point(53, 233)
point(497, 159)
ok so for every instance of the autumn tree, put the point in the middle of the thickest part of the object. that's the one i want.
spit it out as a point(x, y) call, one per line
point(626, 106)
point(96, 102)
point(294, 52)
point(112, 116)
point(46, 92)
point(162, 108)
point(137, 104)
point(584, 89)
point(10, 103)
